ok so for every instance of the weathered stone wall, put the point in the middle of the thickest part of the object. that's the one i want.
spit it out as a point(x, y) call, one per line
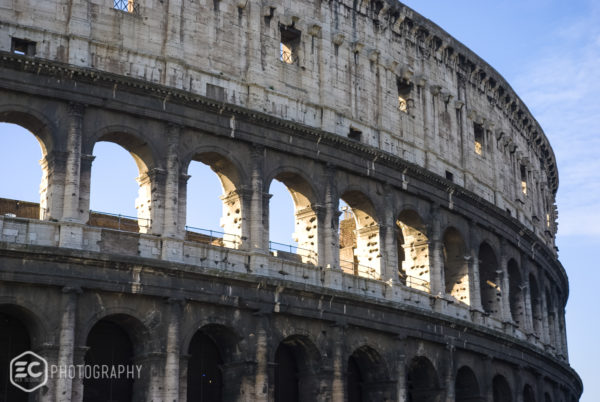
point(351, 57)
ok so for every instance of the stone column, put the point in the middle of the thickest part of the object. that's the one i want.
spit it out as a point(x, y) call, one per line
point(503, 280)
point(66, 341)
point(546, 334)
point(85, 177)
point(73, 165)
point(183, 377)
point(436, 259)
point(256, 214)
point(487, 390)
point(171, 202)
point(261, 379)
point(389, 241)
point(329, 255)
point(450, 374)
point(518, 391)
point(527, 306)
point(400, 369)
point(77, 384)
point(337, 382)
point(474, 285)
point(171, 391)
point(149, 205)
point(52, 185)
point(78, 31)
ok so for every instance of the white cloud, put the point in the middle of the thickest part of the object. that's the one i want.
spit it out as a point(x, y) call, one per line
point(562, 88)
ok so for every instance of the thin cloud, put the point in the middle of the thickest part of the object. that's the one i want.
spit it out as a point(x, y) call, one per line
point(562, 88)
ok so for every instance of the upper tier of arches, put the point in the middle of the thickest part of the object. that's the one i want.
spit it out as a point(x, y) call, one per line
point(373, 71)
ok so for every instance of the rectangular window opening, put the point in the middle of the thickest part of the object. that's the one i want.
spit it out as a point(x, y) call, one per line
point(354, 134)
point(449, 176)
point(523, 179)
point(479, 137)
point(404, 90)
point(23, 47)
point(289, 45)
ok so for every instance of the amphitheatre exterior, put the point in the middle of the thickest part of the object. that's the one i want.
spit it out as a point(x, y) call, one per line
point(444, 286)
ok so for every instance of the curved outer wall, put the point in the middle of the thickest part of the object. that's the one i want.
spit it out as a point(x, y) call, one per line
point(450, 179)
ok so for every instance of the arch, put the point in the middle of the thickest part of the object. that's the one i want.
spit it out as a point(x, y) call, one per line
point(360, 241)
point(110, 344)
point(29, 315)
point(422, 380)
point(204, 377)
point(366, 372)
point(489, 282)
point(501, 389)
point(14, 339)
point(456, 267)
point(306, 220)
point(35, 122)
point(515, 292)
point(536, 308)
point(551, 314)
point(528, 394)
point(145, 159)
point(296, 369)
point(416, 263)
point(230, 177)
point(466, 385)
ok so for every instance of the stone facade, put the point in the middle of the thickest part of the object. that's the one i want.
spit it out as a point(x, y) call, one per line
point(449, 287)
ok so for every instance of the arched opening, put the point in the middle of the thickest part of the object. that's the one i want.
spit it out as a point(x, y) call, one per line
point(354, 381)
point(422, 380)
point(551, 313)
point(14, 340)
point(489, 282)
point(528, 394)
point(501, 389)
point(295, 377)
point(303, 244)
point(286, 375)
point(24, 185)
point(466, 386)
point(213, 204)
point(415, 243)
point(536, 307)
point(456, 267)
point(205, 380)
point(515, 292)
point(366, 376)
point(110, 345)
point(359, 236)
point(119, 160)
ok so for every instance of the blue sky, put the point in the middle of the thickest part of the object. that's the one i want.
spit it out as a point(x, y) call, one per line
point(549, 51)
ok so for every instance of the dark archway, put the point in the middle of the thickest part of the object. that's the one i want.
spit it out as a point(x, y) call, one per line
point(366, 375)
point(501, 389)
point(489, 285)
point(354, 381)
point(422, 380)
point(466, 386)
point(14, 340)
point(109, 345)
point(456, 268)
point(205, 380)
point(286, 375)
point(528, 394)
point(515, 292)
point(295, 371)
point(536, 305)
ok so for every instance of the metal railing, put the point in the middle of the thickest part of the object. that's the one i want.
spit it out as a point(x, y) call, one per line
point(415, 283)
point(128, 6)
point(360, 270)
point(118, 222)
point(303, 254)
point(213, 237)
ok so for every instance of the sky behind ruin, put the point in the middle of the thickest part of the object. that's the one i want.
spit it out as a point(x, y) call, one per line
point(548, 51)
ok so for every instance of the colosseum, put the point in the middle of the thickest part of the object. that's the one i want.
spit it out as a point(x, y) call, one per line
point(439, 281)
